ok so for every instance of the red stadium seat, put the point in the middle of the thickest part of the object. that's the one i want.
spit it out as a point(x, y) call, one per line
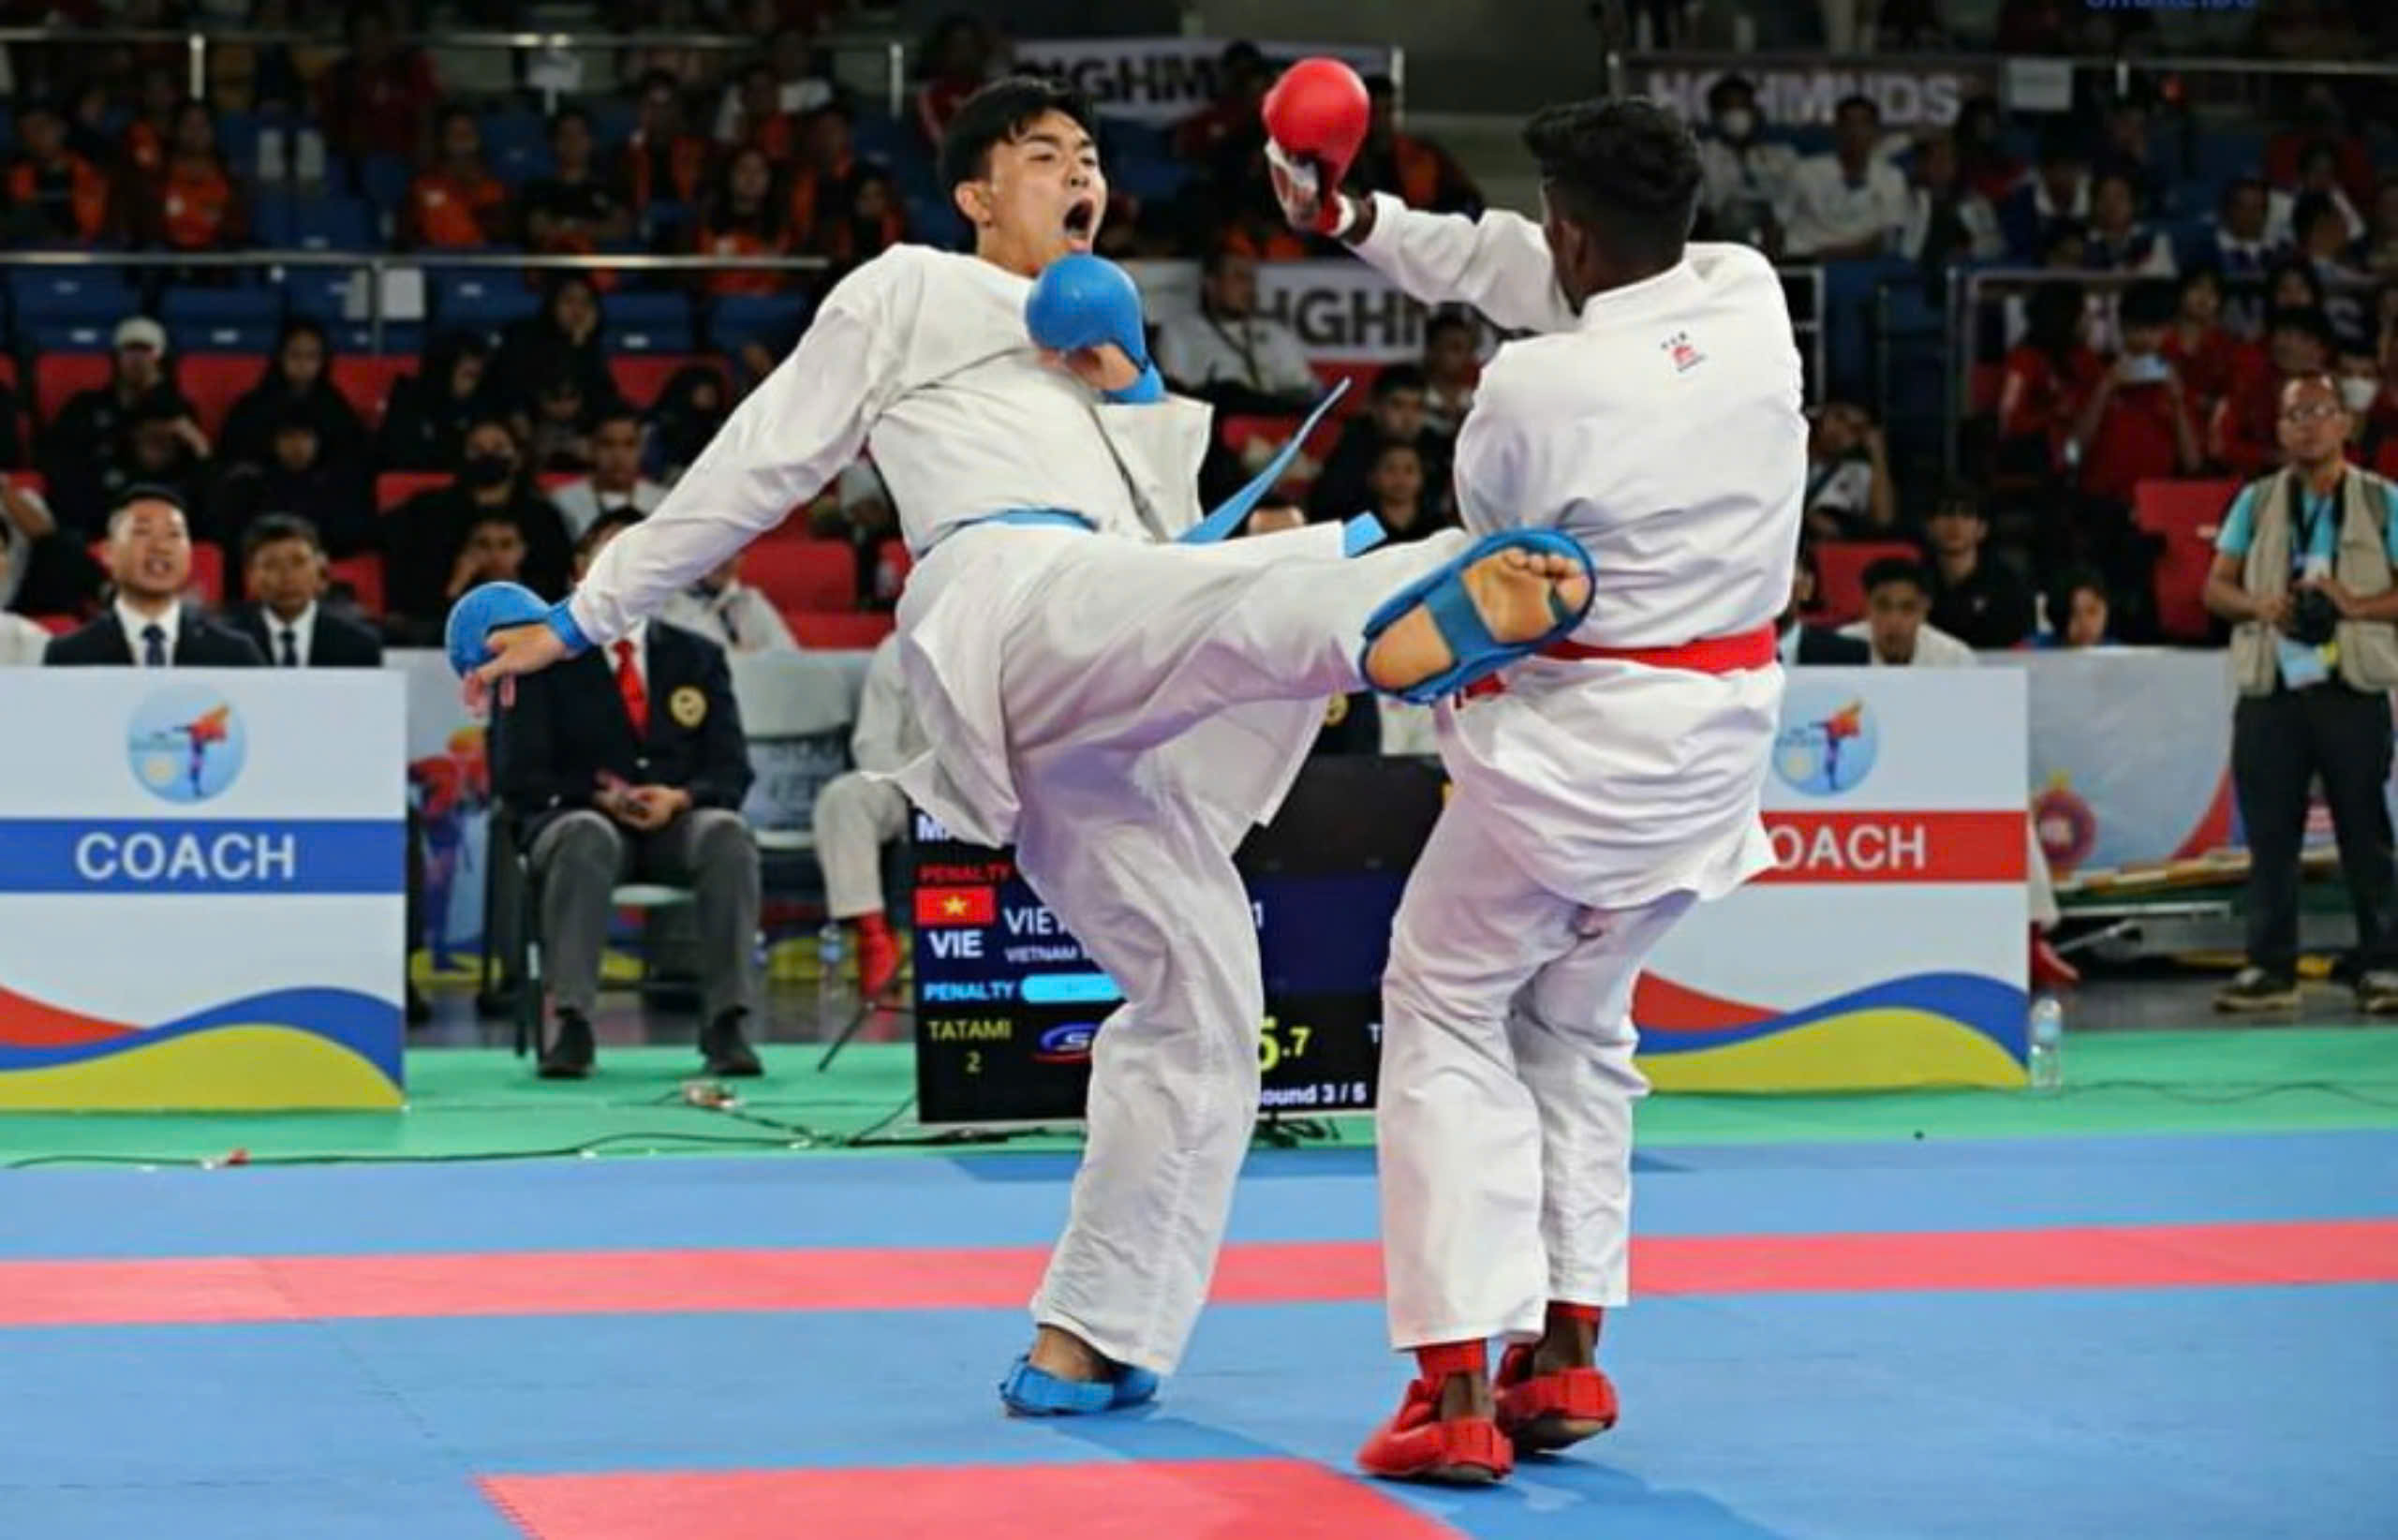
point(395, 487)
point(29, 481)
point(364, 575)
point(550, 481)
point(207, 569)
point(804, 575)
point(59, 377)
point(2186, 516)
point(857, 632)
point(1839, 574)
point(56, 625)
point(893, 554)
point(1361, 387)
point(211, 382)
point(365, 381)
point(642, 376)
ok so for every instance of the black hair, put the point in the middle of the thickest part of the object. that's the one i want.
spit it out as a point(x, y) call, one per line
point(2115, 173)
point(2061, 145)
point(2150, 302)
point(2051, 315)
point(1381, 85)
point(1891, 569)
point(1240, 55)
point(2245, 183)
point(1625, 170)
point(1217, 256)
point(608, 523)
point(564, 115)
point(1958, 497)
point(146, 491)
point(2069, 583)
point(1726, 87)
point(479, 516)
point(999, 114)
point(2310, 209)
point(652, 79)
point(268, 528)
point(2306, 274)
point(1394, 378)
point(1448, 320)
point(2193, 276)
point(455, 109)
point(1872, 110)
point(2306, 318)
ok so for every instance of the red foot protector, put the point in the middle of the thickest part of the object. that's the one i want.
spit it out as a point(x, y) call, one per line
point(1542, 1412)
point(1107, 1500)
point(1418, 1445)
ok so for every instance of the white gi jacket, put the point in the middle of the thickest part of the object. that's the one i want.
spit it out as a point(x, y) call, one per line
point(922, 356)
point(1612, 783)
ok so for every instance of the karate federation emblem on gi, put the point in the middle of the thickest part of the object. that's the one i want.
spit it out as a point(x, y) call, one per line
point(688, 705)
point(1683, 352)
point(185, 744)
point(1827, 743)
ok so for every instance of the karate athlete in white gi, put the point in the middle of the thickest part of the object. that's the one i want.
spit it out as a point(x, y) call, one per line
point(1612, 781)
point(1119, 707)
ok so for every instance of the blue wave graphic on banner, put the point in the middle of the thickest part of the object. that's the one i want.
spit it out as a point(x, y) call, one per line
point(366, 1025)
point(1992, 1007)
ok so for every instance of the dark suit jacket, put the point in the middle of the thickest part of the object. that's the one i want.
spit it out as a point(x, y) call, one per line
point(569, 723)
point(338, 642)
point(198, 644)
point(1821, 645)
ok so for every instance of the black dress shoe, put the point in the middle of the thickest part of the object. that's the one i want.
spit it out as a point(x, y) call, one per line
point(420, 1010)
point(569, 1054)
point(727, 1054)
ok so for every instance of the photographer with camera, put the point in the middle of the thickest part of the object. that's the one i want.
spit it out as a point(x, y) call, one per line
point(2306, 567)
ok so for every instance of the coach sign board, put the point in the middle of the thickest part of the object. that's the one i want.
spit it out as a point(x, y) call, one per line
point(1886, 949)
point(1887, 946)
point(201, 889)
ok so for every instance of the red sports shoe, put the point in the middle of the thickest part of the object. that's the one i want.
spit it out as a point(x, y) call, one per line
point(2050, 970)
point(878, 957)
point(1540, 1413)
point(1418, 1445)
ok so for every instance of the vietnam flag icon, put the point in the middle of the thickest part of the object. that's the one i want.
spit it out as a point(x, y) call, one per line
point(958, 906)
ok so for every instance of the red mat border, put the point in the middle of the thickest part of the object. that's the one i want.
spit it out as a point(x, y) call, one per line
point(1083, 1499)
point(218, 1290)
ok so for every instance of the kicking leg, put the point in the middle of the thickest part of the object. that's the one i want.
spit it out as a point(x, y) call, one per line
point(1131, 644)
point(1156, 901)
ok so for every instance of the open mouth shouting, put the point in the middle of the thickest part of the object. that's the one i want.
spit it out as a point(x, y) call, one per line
point(1082, 222)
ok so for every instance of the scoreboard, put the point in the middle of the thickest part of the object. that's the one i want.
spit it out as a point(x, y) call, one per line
point(1008, 1003)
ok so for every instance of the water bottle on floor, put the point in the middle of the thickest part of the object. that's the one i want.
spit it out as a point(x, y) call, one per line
point(2047, 1040)
point(828, 957)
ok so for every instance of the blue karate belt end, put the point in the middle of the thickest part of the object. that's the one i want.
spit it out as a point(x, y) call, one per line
point(1225, 519)
point(1030, 1392)
point(481, 610)
point(1476, 652)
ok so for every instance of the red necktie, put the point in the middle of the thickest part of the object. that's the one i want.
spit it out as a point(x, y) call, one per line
point(628, 685)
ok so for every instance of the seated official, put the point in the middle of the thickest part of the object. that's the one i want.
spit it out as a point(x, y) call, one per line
point(857, 815)
point(283, 570)
point(1897, 628)
point(149, 558)
point(729, 613)
point(626, 763)
point(1227, 354)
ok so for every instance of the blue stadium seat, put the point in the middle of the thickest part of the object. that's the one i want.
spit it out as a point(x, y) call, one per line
point(663, 219)
point(206, 337)
point(936, 222)
point(64, 337)
point(646, 309)
point(212, 307)
point(398, 338)
point(774, 320)
point(878, 136)
point(612, 119)
point(237, 139)
point(333, 224)
point(516, 144)
point(382, 180)
point(486, 297)
point(663, 337)
point(1123, 136)
point(320, 293)
point(65, 295)
point(1148, 178)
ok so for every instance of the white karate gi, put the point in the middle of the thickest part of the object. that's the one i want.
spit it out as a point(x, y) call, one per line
point(1121, 709)
point(1596, 801)
point(859, 811)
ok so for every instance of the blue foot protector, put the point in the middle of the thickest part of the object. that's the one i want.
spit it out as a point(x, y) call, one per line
point(1476, 652)
point(1030, 1392)
point(481, 610)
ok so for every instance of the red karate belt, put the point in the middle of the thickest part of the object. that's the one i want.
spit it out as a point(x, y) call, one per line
point(1735, 653)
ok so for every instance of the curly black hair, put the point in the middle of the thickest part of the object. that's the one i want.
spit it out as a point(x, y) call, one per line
point(1624, 170)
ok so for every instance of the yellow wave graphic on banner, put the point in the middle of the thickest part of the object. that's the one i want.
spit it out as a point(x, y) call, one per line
point(1881, 1049)
point(226, 1069)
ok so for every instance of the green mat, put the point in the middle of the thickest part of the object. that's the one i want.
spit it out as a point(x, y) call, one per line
point(478, 1104)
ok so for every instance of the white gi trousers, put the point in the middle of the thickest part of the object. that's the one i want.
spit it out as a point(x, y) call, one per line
point(1132, 681)
point(1505, 1107)
point(857, 815)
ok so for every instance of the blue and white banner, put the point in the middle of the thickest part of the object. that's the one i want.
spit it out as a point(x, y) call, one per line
point(201, 889)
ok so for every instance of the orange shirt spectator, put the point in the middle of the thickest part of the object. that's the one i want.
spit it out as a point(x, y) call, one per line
point(872, 224)
point(744, 219)
point(762, 125)
point(458, 202)
point(958, 60)
point(1422, 173)
point(1242, 76)
point(150, 137)
point(198, 206)
point(53, 193)
point(826, 178)
point(2245, 435)
point(1265, 241)
point(663, 161)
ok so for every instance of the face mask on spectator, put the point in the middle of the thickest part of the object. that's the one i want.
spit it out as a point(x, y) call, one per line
point(1737, 122)
point(485, 471)
point(2357, 392)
